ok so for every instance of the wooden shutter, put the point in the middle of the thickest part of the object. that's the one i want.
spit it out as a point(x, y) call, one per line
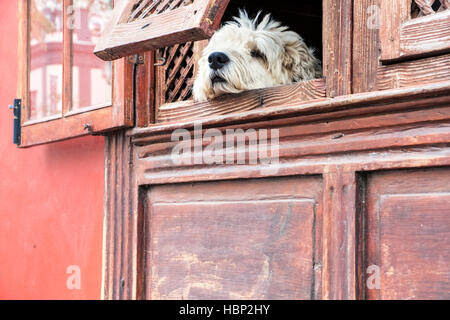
point(68, 121)
point(143, 25)
point(414, 28)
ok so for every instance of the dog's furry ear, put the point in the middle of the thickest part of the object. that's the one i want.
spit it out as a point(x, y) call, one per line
point(299, 59)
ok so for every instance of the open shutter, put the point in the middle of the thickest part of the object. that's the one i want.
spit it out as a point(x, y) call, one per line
point(64, 89)
point(414, 28)
point(143, 25)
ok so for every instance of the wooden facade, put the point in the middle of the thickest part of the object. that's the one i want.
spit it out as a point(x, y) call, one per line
point(363, 178)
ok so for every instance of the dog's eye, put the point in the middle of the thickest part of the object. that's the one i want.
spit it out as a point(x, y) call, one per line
point(257, 54)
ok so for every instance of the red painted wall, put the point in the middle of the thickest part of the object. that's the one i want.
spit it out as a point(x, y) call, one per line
point(51, 201)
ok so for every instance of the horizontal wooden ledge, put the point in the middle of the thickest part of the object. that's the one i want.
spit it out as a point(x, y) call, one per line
point(294, 94)
point(414, 73)
point(427, 156)
point(316, 107)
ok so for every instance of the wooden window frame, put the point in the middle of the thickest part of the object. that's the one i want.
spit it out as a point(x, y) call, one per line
point(75, 123)
point(404, 38)
point(336, 80)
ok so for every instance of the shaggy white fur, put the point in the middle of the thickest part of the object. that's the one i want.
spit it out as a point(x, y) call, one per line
point(245, 55)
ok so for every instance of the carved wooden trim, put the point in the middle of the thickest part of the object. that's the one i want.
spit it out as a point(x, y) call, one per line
point(371, 75)
point(413, 73)
point(339, 229)
point(355, 102)
point(403, 37)
point(137, 26)
point(120, 224)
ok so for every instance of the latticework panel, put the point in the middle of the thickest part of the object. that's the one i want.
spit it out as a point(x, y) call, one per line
point(420, 8)
point(178, 72)
point(175, 75)
point(145, 8)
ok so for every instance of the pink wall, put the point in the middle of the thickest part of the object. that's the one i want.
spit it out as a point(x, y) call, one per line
point(51, 201)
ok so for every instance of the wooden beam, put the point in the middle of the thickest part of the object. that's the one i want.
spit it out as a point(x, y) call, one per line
point(337, 46)
point(249, 100)
point(393, 14)
point(339, 230)
point(362, 100)
point(366, 45)
point(414, 73)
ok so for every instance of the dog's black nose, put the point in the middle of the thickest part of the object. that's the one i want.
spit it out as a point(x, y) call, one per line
point(217, 60)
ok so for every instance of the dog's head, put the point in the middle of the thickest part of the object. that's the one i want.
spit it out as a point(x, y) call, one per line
point(246, 54)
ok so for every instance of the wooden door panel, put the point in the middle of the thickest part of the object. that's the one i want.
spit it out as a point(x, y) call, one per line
point(226, 241)
point(408, 237)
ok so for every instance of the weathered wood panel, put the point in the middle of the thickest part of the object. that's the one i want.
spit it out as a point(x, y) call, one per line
point(414, 73)
point(251, 239)
point(255, 99)
point(408, 233)
point(126, 35)
point(366, 45)
point(405, 38)
point(120, 235)
point(426, 35)
point(337, 46)
point(393, 14)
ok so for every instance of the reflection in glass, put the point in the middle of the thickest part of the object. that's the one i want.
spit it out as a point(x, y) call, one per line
point(91, 76)
point(46, 51)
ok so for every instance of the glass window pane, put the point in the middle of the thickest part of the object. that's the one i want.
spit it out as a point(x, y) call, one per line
point(91, 76)
point(46, 50)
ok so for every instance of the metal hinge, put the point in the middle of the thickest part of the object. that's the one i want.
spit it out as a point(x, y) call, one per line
point(17, 107)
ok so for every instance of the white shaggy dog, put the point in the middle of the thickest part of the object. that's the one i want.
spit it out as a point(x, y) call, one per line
point(245, 55)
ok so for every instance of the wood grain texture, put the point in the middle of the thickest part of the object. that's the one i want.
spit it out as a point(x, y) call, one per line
point(393, 15)
point(355, 101)
point(302, 145)
point(408, 230)
point(337, 46)
point(426, 35)
point(192, 22)
point(193, 222)
point(408, 131)
point(414, 73)
point(145, 91)
point(233, 240)
point(120, 238)
point(250, 100)
point(366, 45)
point(405, 38)
point(339, 259)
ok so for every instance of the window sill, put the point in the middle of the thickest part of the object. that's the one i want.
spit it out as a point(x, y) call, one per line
point(288, 95)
